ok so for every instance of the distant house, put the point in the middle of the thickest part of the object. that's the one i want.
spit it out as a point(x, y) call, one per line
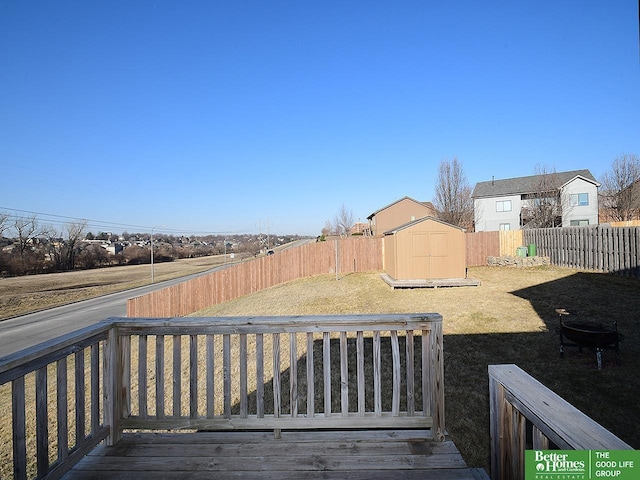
point(398, 213)
point(359, 228)
point(622, 206)
point(510, 203)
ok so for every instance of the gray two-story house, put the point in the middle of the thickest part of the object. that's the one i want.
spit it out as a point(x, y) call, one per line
point(512, 203)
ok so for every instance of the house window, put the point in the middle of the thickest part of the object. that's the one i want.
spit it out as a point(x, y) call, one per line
point(579, 223)
point(503, 206)
point(505, 226)
point(579, 199)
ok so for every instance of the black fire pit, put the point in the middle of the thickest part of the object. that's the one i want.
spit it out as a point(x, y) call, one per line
point(589, 334)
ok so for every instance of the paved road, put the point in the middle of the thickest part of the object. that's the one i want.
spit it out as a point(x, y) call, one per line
point(28, 330)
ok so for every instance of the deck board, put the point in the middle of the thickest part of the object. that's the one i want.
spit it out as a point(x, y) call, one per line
point(258, 455)
point(430, 282)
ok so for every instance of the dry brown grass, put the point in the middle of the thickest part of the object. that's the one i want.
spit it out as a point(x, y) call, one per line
point(510, 318)
point(22, 295)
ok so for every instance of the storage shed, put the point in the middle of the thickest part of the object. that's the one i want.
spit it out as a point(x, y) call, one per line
point(427, 248)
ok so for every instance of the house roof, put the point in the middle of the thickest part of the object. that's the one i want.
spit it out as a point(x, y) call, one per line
point(414, 222)
point(523, 185)
point(424, 204)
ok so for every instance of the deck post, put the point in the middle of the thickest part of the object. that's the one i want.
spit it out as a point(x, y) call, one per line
point(437, 381)
point(113, 385)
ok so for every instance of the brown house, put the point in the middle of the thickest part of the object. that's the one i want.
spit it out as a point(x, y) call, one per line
point(398, 213)
point(427, 248)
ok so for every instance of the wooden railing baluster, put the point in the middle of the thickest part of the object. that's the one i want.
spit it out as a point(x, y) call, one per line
point(62, 402)
point(19, 427)
point(344, 375)
point(104, 355)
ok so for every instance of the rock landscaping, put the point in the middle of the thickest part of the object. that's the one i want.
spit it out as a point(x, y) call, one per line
point(510, 261)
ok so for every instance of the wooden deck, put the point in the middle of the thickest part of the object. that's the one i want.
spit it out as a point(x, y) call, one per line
point(371, 454)
point(430, 282)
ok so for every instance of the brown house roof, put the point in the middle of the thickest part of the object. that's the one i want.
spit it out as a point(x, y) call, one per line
point(425, 204)
point(414, 222)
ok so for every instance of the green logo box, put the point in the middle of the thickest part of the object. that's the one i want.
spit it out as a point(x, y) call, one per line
point(582, 464)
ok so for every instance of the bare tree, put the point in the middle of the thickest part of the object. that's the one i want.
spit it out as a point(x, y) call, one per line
point(620, 190)
point(343, 221)
point(4, 222)
point(544, 203)
point(27, 229)
point(64, 246)
point(453, 194)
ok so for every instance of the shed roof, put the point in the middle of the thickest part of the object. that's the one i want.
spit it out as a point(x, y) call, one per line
point(419, 220)
point(524, 185)
point(424, 204)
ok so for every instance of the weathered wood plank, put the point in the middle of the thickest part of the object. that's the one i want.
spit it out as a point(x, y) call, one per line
point(360, 373)
point(252, 422)
point(210, 373)
point(62, 405)
point(344, 375)
point(260, 375)
point(80, 395)
point(177, 375)
point(142, 376)
point(326, 370)
point(310, 377)
point(409, 350)
point(18, 422)
point(347, 454)
point(561, 422)
point(226, 373)
point(268, 324)
point(94, 361)
point(42, 422)
point(395, 356)
point(293, 375)
point(377, 378)
point(243, 376)
point(193, 376)
point(160, 413)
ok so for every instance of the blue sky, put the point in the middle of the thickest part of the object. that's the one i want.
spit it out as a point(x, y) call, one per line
point(219, 116)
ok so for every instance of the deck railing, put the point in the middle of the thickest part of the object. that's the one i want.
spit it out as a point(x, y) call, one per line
point(362, 371)
point(518, 402)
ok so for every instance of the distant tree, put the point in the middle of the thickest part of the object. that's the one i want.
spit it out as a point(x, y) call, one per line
point(620, 189)
point(544, 204)
point(89, 236)
point(27, 229)
point(92, 256)
point(4, 222)
point(328, 229)
point(343, 221)
point(453, 194)
point(136, 255)
point(64, 246)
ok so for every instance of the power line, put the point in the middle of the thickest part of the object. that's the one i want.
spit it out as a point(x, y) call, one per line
point(61, 219)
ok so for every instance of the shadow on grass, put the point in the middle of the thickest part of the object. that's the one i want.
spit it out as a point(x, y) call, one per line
point(609, 396)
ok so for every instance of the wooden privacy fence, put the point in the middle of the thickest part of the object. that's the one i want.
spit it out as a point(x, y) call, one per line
point(256, 373)
point(522, 408)
point(355, 254)
point(601, 247)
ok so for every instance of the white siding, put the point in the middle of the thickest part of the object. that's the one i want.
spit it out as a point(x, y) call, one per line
point(579, 212)
point(488, 218)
